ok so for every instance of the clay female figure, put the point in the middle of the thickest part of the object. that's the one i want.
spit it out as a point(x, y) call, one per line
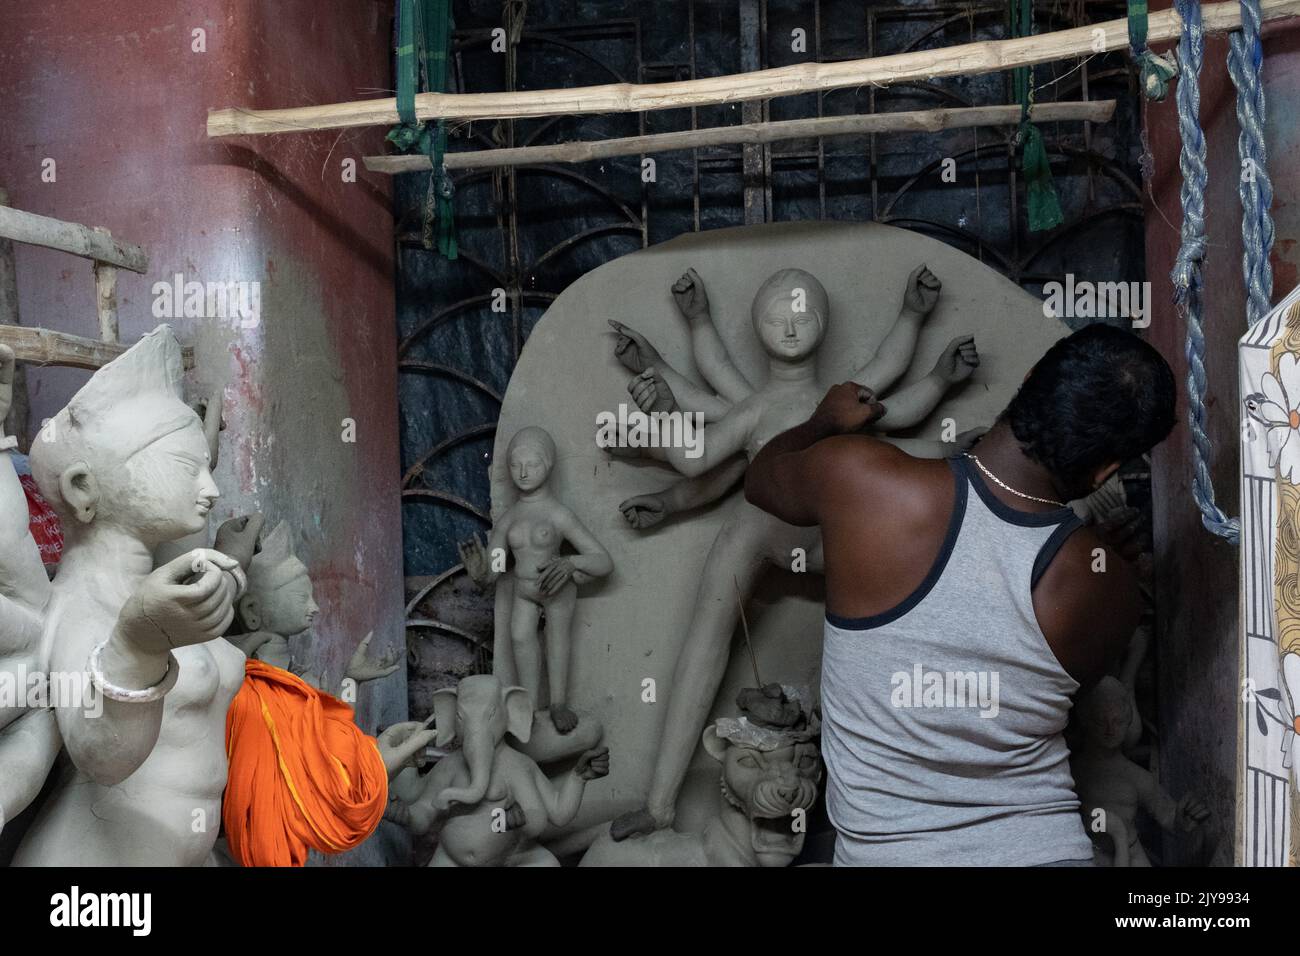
point(790, 313)
point(533, 530)
point(125, 465)
point(29, 740)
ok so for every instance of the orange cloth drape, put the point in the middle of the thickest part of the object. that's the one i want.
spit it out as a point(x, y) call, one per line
point(302, 774)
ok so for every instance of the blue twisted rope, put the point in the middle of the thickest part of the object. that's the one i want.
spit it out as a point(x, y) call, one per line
point(1245, 66)
point(1186, 274)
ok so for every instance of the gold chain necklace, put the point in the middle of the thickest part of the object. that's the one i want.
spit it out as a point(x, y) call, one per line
point(1002, 484)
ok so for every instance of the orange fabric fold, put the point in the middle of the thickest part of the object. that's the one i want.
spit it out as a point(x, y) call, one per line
point(302, 774)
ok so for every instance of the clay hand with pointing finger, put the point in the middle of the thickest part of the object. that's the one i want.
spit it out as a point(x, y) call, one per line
point(632, 349)
point(362, 667)
point(189, 600)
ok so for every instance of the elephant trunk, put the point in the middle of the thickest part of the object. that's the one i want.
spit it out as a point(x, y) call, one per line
point(479, 751)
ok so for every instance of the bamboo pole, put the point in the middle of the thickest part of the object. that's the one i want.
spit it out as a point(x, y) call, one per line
point(71, 237)
point(968, 59)
point(47, 347)
point(913, 121)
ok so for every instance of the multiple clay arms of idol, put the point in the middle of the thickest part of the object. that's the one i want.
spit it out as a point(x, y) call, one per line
point(790, 314)
point(493, 801)
point(525, 545)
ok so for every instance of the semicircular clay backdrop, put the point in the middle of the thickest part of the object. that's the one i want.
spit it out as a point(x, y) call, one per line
point(628, 628)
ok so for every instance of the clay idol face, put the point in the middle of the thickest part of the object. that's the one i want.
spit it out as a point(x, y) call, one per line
point(529, 467)
point(789, 314)
point(164, 491)
point(531, 455)
point(292, 608)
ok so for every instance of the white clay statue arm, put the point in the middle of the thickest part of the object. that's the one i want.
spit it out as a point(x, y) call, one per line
point(562, 802)
point(718, 442)
point(895, 353)
point(636, 354)
point(910, 405)
point(711, 355)
point(646, 511)
point(250, 642)
point(187, 601)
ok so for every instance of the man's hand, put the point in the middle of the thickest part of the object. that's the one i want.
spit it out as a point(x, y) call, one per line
point(362, 667)
point(922, 290)
point(651, 392)
point(959, 360)
point(593, 764)
point(189, 600)
point(633, 350)
point(689, 294)
point(644, 511)
point(847, 407)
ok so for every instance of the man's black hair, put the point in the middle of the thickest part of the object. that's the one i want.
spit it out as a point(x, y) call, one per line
point(1098, 396)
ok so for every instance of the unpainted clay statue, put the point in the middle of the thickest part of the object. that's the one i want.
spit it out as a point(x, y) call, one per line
point(279, 604)
point(790, 313)
point(1112, 787)
point(531, 533)
point(493, 801)
point(126, 467)
point(769, 782)
point(29, 739)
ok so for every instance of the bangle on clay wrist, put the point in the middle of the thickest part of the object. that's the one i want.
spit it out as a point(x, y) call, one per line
point(144, 696)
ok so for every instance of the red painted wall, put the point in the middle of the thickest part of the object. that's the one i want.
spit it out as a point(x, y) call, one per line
point(116, 95)
point(1197, 596)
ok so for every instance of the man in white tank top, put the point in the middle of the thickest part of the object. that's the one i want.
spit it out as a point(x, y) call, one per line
point(963, 611)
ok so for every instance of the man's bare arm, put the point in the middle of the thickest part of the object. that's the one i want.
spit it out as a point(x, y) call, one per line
point(788, 476)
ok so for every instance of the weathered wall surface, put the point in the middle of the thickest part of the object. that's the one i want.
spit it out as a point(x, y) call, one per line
point(117, 96)
point(1196, 573)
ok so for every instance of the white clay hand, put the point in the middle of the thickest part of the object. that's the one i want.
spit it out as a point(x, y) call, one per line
point(555, 574)
point(362, 667)
point(644, 511)
point(402, 744)
point(690, 296)
point(922, 290)
point(651, 393)
point(237, 538)
point(848, 407)
point(632, 349)
point(593, 764)
point(189, 600)
point(473, 553)
point(959, 360)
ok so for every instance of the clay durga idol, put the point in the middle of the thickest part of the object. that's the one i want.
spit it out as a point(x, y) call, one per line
point(789, 308)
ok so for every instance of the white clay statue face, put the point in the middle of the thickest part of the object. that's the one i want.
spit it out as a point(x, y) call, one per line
point(1109, 724)
point(788, 333)
point(529, 467)
point(164, 491)
point(291, 608)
